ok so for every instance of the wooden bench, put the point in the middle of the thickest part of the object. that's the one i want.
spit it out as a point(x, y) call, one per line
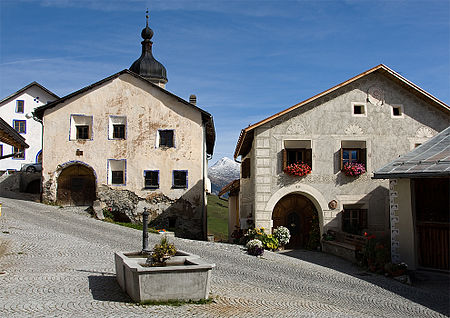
point(345, 246)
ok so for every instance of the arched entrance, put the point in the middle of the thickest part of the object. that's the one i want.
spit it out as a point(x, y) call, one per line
point(299, 215)
point(76, 185)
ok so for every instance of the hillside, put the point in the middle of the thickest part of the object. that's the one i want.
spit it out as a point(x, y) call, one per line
point(218, 217)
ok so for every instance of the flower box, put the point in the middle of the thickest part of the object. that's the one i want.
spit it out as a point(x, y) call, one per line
point(298, 169)
point(353, 169)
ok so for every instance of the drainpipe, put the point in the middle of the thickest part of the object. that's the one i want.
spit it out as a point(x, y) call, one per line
point(204, 210)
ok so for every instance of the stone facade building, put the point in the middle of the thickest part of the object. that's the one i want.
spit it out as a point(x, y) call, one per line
point(370, 119)
point(16, 110)
point(130, 144)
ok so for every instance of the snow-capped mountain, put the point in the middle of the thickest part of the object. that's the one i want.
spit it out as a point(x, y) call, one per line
point(223, 172)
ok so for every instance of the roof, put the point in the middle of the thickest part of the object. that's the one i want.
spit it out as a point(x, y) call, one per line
point(431, 159)
point(20, 91)
point(206, 117)
point(231, 187)
point(246, 137)
point(10, 136)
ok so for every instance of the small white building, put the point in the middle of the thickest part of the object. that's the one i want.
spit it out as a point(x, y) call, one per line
point(16, 110)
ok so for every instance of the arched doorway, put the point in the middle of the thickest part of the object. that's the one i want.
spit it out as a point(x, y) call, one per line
point(76, 185)
point(299, 215)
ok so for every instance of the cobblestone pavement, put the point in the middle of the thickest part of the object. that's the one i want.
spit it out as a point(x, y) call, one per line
point(58, 262)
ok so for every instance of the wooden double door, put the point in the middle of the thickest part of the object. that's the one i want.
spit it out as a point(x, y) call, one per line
point(76, 186)
point(295, 212)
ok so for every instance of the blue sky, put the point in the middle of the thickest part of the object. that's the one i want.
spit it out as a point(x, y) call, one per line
point(245, 60)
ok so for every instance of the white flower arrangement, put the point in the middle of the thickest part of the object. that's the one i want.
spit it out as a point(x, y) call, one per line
point(282, 234)
point(254, 243)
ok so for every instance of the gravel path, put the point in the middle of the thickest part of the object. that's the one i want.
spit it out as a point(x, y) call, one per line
point(58, 262)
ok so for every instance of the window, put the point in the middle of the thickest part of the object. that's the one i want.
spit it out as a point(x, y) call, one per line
point(1, 150)
point(397, 111)
point(354, 220)
point(353, 152)
point(20, 126)
point(359, 110)
point(297, 151)
point(180, 179)
point(20, 106)
point(245, 168)
point(116, 172)
point(19, 153)
point(80, 127)
point(117, 127)
point(151, 178)
point(82, 132)
point(166, 138)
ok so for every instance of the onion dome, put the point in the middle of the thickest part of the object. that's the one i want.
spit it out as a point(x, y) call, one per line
point(146, 65)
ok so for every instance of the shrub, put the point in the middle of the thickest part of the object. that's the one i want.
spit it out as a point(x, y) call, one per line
point(269, 242)
point(255, 247)
point(375, 254)
point(162, 252)
point(282, 234)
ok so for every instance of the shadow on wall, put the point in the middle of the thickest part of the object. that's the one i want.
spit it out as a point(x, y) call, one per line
point(184, 215)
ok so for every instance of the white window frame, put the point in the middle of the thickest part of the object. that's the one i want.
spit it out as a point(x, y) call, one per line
point(116, 120)
point(401, 111)
point(117, 165)
point(364, 114)
point(80, 120)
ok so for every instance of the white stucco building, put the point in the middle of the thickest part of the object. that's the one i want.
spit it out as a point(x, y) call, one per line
point(16, 110)
point(368, 120)
point(129, 143)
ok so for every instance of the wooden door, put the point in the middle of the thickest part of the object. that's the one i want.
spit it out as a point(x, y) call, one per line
point(76, 186)
point(295, 212)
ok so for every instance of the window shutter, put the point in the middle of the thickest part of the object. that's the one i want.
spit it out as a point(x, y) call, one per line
point(284, 159)
point(363, 159)
point(342, 158)
point(245, 166)
point(308, 157)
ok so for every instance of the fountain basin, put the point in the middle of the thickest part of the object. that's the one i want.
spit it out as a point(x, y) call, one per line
point(185, 277)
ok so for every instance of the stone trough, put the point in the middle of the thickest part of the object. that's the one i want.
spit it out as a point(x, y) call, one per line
point(185, 277)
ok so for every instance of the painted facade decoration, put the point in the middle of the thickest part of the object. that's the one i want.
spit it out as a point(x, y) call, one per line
point(130, 145)
point(16, 110)
point(368, 120)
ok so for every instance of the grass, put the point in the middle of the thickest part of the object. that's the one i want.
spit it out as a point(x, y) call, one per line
point(218, 217)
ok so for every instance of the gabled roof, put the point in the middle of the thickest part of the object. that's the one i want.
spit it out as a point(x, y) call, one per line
point(246, 136)
point(20, 91)
point(231, 187)
point(431, 159)
point(206, 117)
point(10, 136)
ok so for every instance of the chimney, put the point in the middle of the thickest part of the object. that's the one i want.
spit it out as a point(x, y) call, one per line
point(193, 99)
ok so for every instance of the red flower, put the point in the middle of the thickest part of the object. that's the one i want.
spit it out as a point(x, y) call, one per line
point(298, 169)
